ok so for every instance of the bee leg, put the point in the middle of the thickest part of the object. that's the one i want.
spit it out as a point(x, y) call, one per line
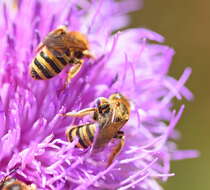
point(120, 135)
point(81, 113)
point(73, 71)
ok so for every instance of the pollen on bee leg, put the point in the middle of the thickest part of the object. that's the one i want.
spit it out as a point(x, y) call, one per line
point(73, 72)
point(117, 148)
point(81, 113)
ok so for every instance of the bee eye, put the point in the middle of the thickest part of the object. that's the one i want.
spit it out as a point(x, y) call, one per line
point(104, 108)
point(62, 32)
point(78, 54)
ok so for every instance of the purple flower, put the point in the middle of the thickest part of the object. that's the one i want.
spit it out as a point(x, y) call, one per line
point(133, 62)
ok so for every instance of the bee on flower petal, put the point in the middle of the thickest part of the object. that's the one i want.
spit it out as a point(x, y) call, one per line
point(110, 115)
point(60, 48)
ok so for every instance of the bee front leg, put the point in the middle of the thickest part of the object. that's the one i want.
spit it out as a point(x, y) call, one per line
point(120, 135)
point(81, 113)
point(73, 72)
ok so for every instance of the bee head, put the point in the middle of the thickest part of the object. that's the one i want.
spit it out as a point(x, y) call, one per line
point(103, 106)
point(79, 39)
point(81, 45)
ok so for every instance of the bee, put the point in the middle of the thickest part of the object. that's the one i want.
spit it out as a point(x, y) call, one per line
point(11, 183)
point(60, 48)
point(110, 115)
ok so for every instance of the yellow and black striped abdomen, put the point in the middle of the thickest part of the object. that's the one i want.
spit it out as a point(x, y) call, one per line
point(84, 133)
point(46, 65)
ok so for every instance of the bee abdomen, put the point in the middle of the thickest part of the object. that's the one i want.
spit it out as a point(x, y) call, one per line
point(51, 63)
point(46, 65)
point(84, 133)
point(39, 70)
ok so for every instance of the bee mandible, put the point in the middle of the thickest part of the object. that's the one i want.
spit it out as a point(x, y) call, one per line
point(60, 48)
point(111, 115)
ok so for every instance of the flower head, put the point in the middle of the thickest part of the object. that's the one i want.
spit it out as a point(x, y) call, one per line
point(133, 62)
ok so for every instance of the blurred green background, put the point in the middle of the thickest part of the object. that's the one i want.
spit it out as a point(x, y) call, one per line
point(186, 26)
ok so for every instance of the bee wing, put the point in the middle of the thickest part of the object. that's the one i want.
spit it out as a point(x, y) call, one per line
point(62, 42)
point(98, 144)
point(108, 129)
point(104, 133)
point(55, 42)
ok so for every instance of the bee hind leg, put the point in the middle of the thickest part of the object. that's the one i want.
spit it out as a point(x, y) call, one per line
point(120, 135)
point(73, 72)
point(81, 113)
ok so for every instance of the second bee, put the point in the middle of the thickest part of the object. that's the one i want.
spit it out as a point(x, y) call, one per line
point(59, 49)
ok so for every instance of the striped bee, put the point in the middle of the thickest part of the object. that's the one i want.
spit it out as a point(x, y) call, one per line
point(10, 183)
point(59, 49)
point(109, 115)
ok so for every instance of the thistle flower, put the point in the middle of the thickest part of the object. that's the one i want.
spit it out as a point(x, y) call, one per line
point(133, 62)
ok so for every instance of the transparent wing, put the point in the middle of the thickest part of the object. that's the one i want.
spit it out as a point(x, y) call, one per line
point(55, 42)
point(62, 42)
